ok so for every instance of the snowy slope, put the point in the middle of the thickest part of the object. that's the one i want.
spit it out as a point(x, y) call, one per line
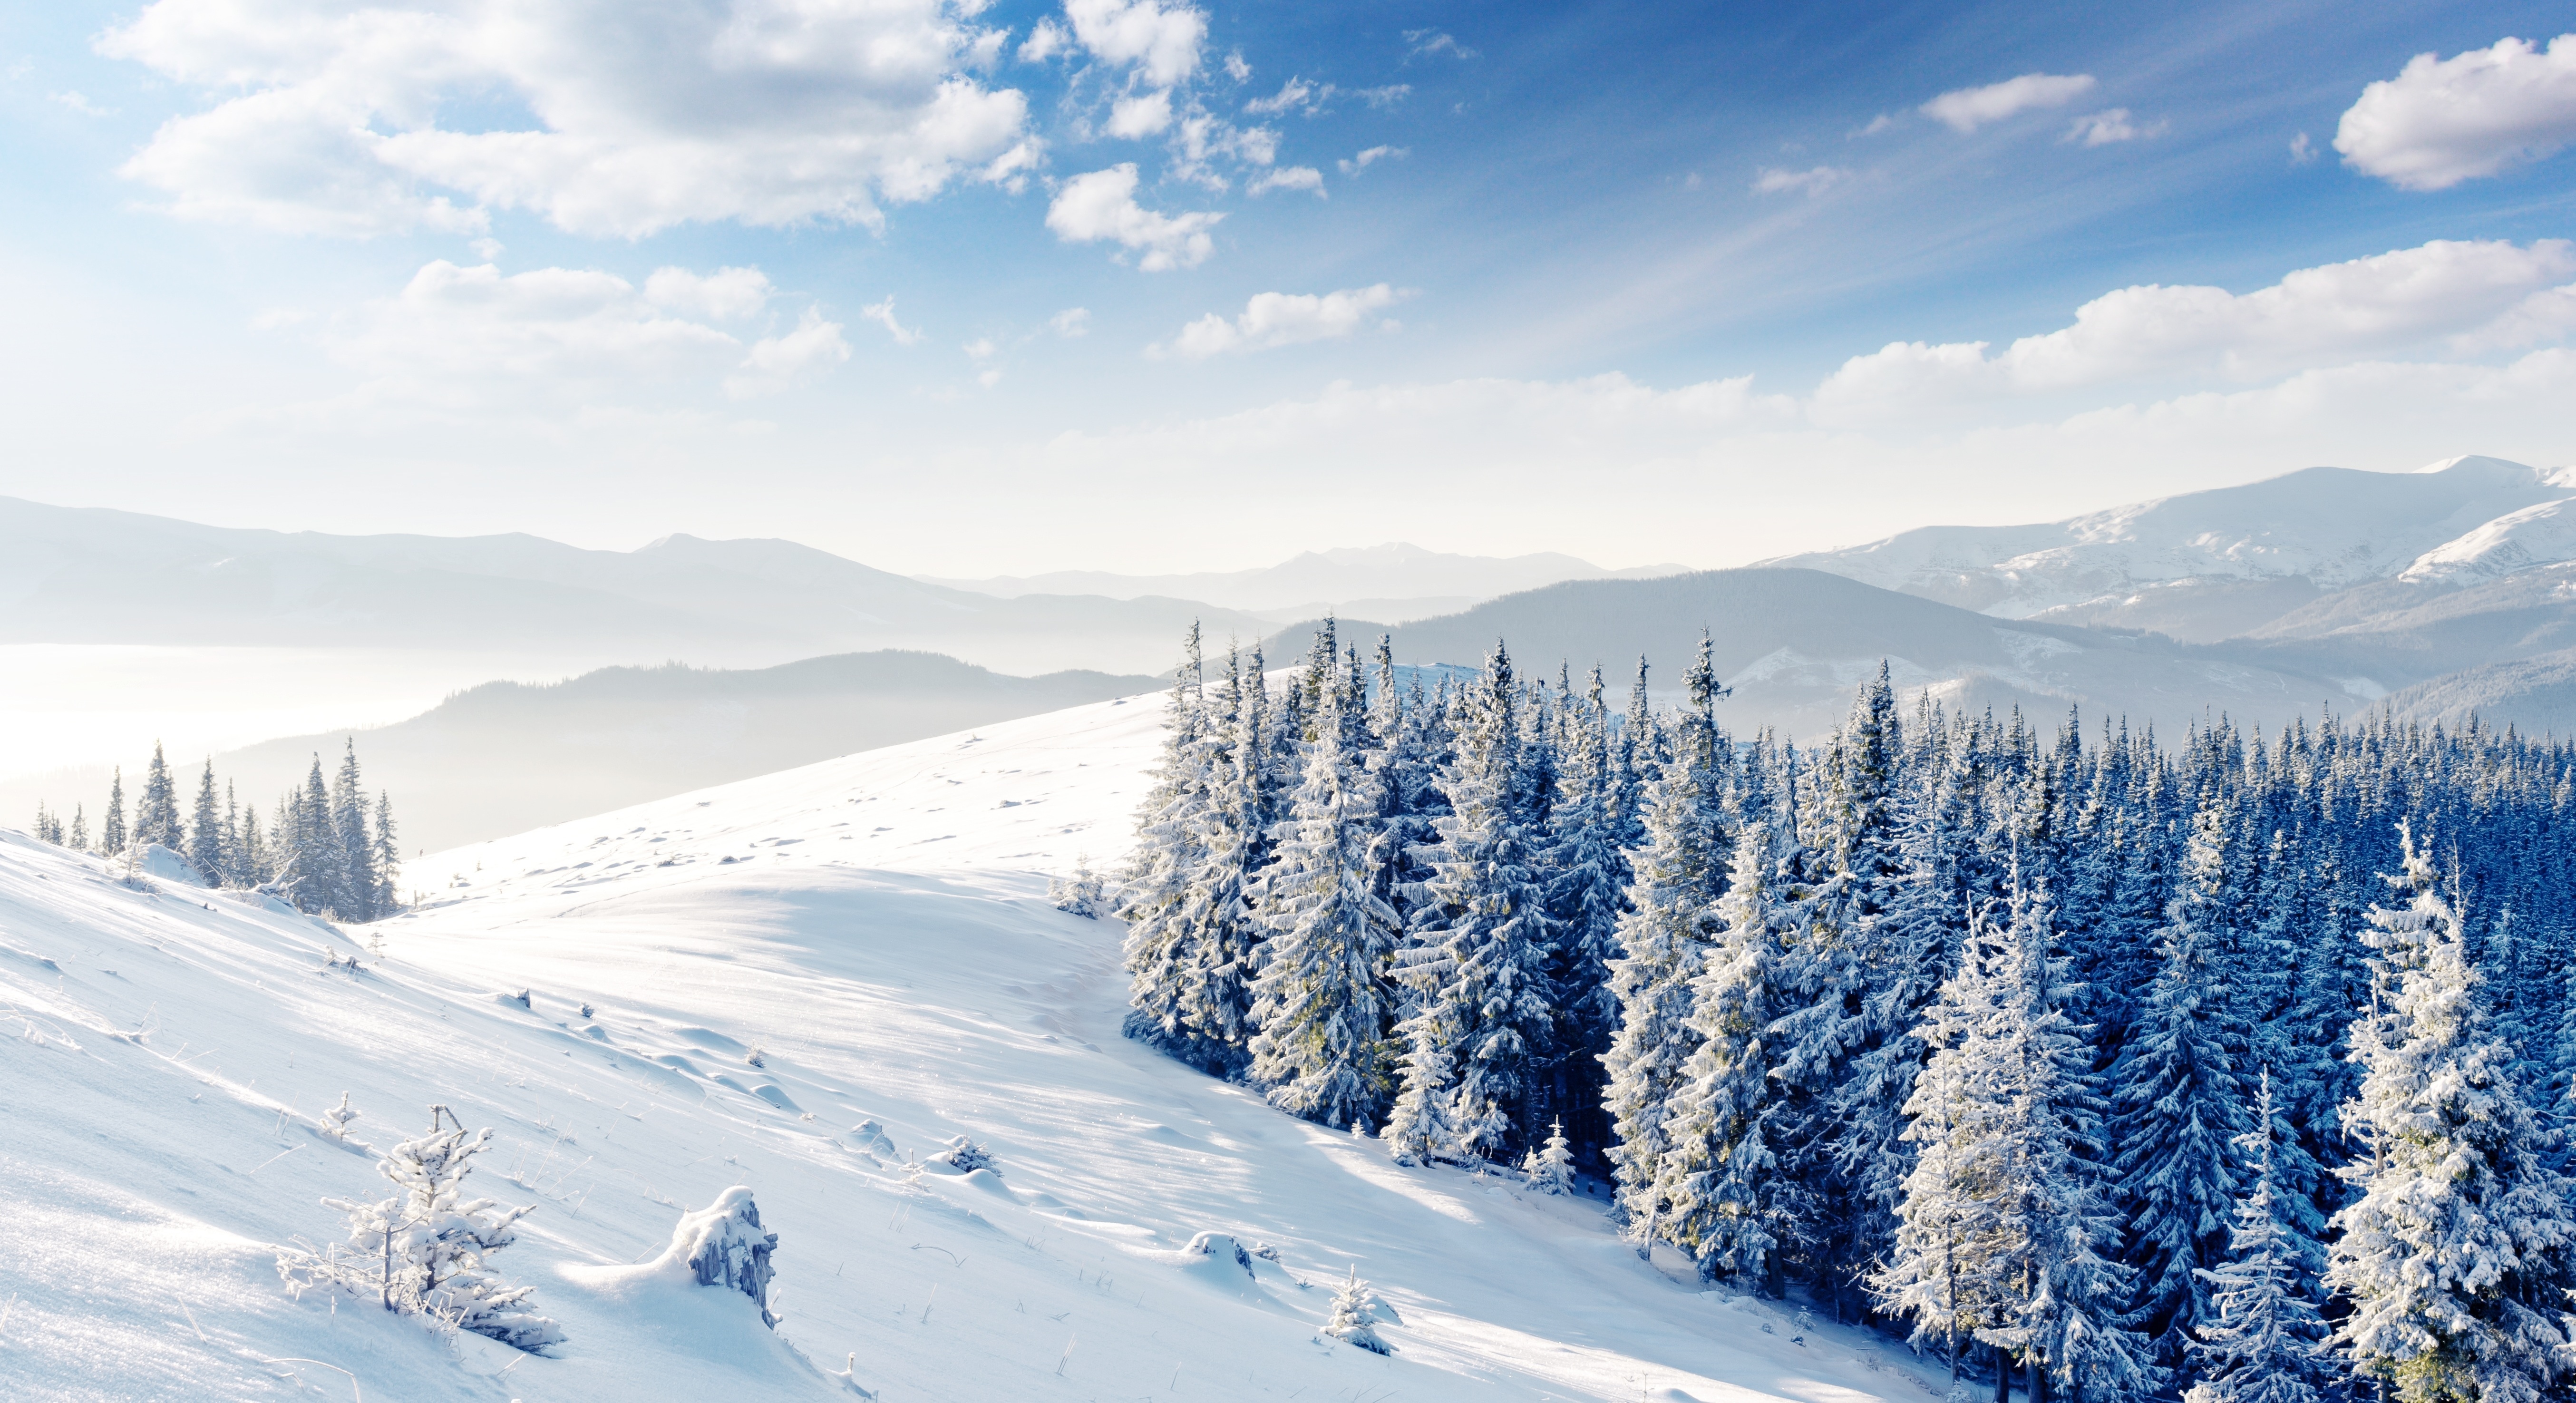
point(879, 934)
point(2328, 528)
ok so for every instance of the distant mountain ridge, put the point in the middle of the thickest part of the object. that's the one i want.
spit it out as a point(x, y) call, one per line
point(505, 757)
point(90, 575)
point(1355, 579)
point(2208, 565)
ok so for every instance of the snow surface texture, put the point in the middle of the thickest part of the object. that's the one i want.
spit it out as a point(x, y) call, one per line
point(889, 951)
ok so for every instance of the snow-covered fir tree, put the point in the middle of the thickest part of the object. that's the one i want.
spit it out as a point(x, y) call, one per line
point(2458, 1256)
point(1477, 954)
point(1665, 933)
point(1549, 1169)
point(1720, 1191)
point(1354, 1317)
point(2180, 1099)
point(2260, 1344)
point(424, 1250)
point(1323, 1001)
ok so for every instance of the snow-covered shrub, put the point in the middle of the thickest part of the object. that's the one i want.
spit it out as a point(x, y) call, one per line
point(422, 1251)
point(1082, 894)
point(1550, 1169)
point(965, 1156)
point(1354, 1317)
point(335, 1121)
point(723, 1245)
point(755, 1058)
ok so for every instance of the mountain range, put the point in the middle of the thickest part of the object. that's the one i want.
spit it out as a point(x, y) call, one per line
point(1396, 581)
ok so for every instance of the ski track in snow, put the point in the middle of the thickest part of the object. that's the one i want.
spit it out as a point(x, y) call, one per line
point(881, 936)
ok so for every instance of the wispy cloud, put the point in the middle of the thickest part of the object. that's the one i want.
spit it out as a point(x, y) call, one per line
point(1424, 43)
point(1284, 319)
point(1964, 110)
point(1811, 183)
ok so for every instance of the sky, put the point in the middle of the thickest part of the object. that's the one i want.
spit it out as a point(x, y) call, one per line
point(1147, 285)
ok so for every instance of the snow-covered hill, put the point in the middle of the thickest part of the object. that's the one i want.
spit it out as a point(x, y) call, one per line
point(2212, 564)
point(873, 927)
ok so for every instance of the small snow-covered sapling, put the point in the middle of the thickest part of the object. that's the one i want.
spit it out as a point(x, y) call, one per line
point(335, 1121)
point(755, 1058)
point(1352, 1321)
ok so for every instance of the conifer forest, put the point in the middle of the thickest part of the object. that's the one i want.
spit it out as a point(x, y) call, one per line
point(2095, 1063)
point(327, 847)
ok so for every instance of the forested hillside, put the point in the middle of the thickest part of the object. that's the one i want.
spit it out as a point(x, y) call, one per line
point(2129, 1063)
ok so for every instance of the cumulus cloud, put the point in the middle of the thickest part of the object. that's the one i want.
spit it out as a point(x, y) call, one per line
point(458, 336)
point(1046, 39)
point(2314, 316)
point(2104, 128)
point(2441, 121)
point(1290, 178)
point(782, 362)
point(1140, 115)
point(1966, 109)
point(1283, 319)
point(770, 112)
point(1101, 207)
point(1811, 183)
point(1161, 41)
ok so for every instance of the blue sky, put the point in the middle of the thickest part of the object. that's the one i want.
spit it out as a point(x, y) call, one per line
point(1148, 285)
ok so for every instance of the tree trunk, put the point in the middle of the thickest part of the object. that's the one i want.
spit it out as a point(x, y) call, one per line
point(2038, 1386)
point(2003, 1376)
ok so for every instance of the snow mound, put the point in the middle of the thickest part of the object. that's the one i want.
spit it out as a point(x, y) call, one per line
point(162, 865)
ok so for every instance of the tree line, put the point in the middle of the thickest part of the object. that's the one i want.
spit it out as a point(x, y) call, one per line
point(2229, 1068)
point(326, 847)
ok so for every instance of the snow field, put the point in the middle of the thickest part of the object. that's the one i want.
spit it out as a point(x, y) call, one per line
point(881, 943)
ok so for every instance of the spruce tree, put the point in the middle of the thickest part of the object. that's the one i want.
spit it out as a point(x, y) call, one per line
point(2457, 1256)
point(1159, 898)
point(1477, 956)
point(1322, 1001)
point(2181, 1102)
point(111, 828)
point(2260, 1346)
point(206, 846)
point(1680, 873)
point(1721, 1194)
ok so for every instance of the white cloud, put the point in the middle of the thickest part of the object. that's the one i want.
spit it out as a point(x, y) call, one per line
point(1423, 43)
point(2104, 128)
point(1884, 121)
point(2441, 121)
point(1811, 183)
point(982, 348)
point(1372, 156)
point(1293, 95)
point(727, 294)
point(1236, 68)
point(882, 313)
point(1282, 319)
point(1071, 322)
point(80, 104)
point(2314, 316)
point(1046, 39)
point(1140, 116)
point(2302, 150)
point(1966, 109)
point(782, 362)
point(1101, 205)
point(1290, 178)
point(1161, 41)
point(770, 112)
